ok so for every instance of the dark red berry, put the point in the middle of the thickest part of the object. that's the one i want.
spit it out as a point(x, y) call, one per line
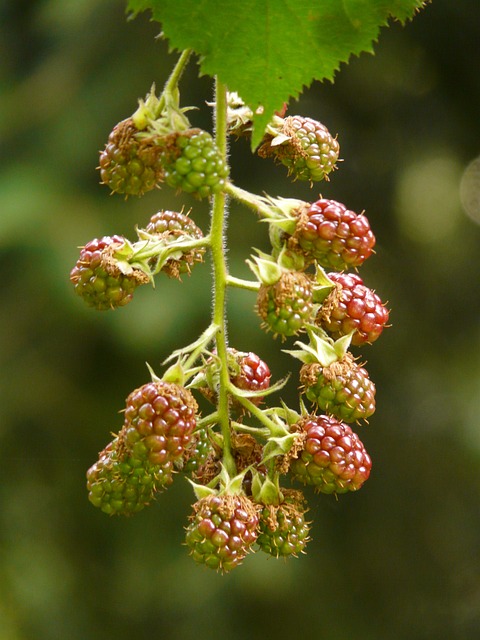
point(333, 458)
point(332, 235)
point(351, 306)
point(249, 372)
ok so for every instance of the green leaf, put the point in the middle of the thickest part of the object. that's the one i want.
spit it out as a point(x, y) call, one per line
point(269, 50)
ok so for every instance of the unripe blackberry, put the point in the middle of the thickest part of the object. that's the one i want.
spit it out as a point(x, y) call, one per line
point(196, 453)
point(128, 164)
point(282, 529)
point(120, 484)
point(171, 226)
point(309, 150)
point(286, 306)
point(160, 418)
point(343, 389)
point(222, 530)
point(335, 237)
point(351, 306)
point(192, 163)
point(333, 458)
point(97, 278)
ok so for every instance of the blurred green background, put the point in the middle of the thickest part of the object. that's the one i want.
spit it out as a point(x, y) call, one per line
point(398, 560)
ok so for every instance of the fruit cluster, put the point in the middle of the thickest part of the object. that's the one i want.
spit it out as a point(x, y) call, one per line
point(242, 455)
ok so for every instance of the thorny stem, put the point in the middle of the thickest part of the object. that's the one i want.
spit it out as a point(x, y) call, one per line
point(220, 275)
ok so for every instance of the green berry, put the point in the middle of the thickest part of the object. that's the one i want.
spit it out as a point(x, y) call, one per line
point(282, 529)
point(333, 458)
point(129, 164)
point(192, 163)
point(286, 306)
point(120, 484)
point(343, 389)
point(304, 146)
point(98, 279)
point(222, 530)
point(196, 453)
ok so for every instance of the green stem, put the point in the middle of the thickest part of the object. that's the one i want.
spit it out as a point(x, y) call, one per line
point(249, 285)
point(220, 275)
point(276, 430)
point(256, 203)
point(173, 80)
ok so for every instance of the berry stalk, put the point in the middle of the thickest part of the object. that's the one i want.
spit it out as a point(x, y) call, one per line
point(220, 277)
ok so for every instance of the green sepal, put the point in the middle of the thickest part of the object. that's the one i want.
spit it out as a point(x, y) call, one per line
point(266, 269)
point(320, 350)
point(266, 491)
point(322, 285)
point(201, 490)
point(278, 446)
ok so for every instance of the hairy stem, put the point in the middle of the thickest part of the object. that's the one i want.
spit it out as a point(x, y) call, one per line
point(220, 275)
point(174, 79)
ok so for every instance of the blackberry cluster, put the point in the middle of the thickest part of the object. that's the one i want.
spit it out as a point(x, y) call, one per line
point(242, 456)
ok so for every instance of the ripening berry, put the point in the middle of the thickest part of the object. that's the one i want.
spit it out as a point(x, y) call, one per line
point(170, 226)
point(342, 389)
point(160, 418)
point(282, 529)
point(333, 458)
point(120, 484)
point(222, 530)
point(309, 151)
point(97, 278)
point(351, 306)
point(332, 235)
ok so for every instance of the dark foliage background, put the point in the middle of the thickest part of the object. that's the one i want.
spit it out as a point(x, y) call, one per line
point(399, 559)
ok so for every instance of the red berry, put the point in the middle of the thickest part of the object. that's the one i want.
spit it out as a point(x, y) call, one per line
point(333, 458)
point(249, 372)
point(351, 306)
point(160, 418)
point(342, 389)
point(334, 236)
point(222, 530)
point(98, 279)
